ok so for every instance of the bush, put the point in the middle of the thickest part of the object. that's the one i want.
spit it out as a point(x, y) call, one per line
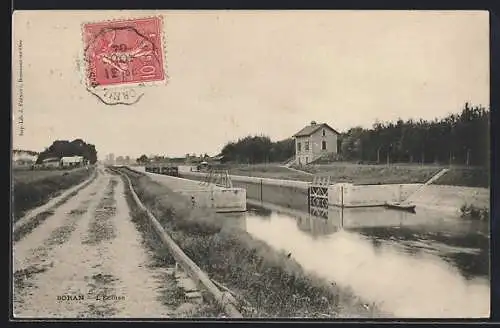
point(474, 212)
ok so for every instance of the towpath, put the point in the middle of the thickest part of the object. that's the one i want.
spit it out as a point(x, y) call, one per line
point(86, 260)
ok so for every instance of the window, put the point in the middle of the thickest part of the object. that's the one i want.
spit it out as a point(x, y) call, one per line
point(298, 147)
point(323, 145)
point(306, 148)
point(324, 132)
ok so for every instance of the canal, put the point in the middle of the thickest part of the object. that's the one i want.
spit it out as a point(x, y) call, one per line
point(413, 265)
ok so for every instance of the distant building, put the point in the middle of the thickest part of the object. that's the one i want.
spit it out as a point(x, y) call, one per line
point(218, 159)
point(315, 141)
point(110, 159)
point(22, 158)
point(72, 161)
point(51, 162)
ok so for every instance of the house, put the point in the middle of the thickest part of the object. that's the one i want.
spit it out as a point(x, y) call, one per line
point(216, 159)
point(51, 162)
point(23, 158)
point(72, 161)
point(315, 141)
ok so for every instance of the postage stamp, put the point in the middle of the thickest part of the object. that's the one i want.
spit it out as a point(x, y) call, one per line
point(121, 56)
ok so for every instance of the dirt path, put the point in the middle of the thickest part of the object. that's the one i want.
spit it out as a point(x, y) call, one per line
point(87, 261)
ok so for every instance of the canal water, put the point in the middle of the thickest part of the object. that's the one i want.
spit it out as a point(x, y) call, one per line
point(413, 265)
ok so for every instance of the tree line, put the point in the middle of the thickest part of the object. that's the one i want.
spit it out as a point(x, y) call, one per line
point(258, 149)
point(458, 139)
point(62, 148)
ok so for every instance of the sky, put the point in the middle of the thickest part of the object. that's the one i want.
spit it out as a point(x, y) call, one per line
point(235, 73)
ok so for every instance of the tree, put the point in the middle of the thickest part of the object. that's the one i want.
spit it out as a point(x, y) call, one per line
point(351, 146)
point(462, 137)
point(142, 160)
point(458, 138)
point(258, 149)
point(63, 148)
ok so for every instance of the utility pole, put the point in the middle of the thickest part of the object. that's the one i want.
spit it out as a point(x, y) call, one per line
point(468, 157)
point(378, 155)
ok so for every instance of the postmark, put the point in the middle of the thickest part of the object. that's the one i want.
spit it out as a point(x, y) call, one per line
point(122, 57)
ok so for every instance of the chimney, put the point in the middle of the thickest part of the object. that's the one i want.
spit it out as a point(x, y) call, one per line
point(313, 122)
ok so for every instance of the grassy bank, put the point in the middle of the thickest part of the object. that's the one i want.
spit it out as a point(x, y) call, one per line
point(34, 188)
point(374, 174)
point(271, 282)
point(369, 174)
point(466, 177)
point(272, 171)
point(172, 296)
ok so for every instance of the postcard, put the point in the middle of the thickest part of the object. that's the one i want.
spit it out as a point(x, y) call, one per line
point(250, 164)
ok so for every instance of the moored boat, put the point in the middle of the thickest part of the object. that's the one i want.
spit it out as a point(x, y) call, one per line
point(401, 206)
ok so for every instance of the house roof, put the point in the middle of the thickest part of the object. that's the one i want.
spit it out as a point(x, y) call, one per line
point(72, 159)
point(51, 159)
point(310, 129)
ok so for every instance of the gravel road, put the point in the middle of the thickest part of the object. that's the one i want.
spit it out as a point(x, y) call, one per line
point(87, 260)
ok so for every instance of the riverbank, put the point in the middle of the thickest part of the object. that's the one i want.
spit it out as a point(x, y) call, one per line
point(272, 282)
point(368, 173)
point(33, 188)
point(293, 194)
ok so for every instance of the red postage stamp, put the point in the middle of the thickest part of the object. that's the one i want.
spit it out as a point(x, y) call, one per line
point(124, 52)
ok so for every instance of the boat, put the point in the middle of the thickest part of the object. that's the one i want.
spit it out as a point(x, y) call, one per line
point(401, 206)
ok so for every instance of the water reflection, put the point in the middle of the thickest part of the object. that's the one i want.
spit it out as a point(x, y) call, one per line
point(317, 226)
point(411, 265)
point(261, 211)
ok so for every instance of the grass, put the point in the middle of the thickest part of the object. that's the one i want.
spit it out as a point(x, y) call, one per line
point(273, 171)
point(172, 295)
point(31, 225)
point(34, 188)
point(31, 176)
point(375, 174)
point(369, 174)
point(275, 285)
point(101, 227)
point(466, 177)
